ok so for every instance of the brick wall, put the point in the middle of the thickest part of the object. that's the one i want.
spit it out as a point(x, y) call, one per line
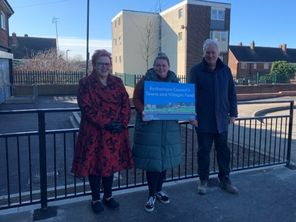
point(244, 92)
point(232, 63)
point(265, 88)
point(227, 28)
point(45, 90)
point(198, 30)
point(250, 71)
point(3, 38)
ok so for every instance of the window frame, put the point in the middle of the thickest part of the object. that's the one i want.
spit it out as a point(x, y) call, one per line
point(243, 65)
point(218, 14)
point(266, 65)
point(222, 38)
point(180, 13)
point(2, 20)
point(180, 36)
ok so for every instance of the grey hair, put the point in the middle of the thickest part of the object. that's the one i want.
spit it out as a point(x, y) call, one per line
point(210, 42)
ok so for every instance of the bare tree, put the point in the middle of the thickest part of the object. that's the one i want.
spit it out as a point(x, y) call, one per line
point(150, 39)
point(48, 60)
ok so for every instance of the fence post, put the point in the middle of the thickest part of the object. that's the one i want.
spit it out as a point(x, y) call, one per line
point(124, 77)
point(35, 92)
point(42, 158)
point(45, 211)
point(289, 165)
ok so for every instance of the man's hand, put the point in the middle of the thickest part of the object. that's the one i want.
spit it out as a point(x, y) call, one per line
point(144, 120)
point(193, 122)
point(231, 120)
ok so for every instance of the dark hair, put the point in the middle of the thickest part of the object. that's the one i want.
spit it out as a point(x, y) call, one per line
point(161, 55)
point(99, 53)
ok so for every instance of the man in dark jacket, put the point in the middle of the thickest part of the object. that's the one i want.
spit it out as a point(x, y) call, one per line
point(216, 106)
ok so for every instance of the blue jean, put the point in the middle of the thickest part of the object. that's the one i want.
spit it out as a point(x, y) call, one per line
point(205, 142)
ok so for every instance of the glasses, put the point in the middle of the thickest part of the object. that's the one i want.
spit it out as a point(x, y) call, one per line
point(103, 64)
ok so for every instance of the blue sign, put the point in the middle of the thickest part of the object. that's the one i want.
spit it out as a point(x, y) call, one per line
point(169, 101)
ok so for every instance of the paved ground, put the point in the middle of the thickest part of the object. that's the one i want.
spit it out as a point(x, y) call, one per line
point(265, 196)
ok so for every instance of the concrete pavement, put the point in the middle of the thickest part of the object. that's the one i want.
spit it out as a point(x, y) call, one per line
point(266, 195)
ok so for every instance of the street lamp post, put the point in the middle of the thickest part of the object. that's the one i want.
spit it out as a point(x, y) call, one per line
point(55, 20)
point(87, 36)
point(67, 51)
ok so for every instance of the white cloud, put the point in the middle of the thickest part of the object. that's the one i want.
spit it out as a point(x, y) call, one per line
point(77, 46)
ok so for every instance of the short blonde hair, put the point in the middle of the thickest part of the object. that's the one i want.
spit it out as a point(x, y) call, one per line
point(99, 53)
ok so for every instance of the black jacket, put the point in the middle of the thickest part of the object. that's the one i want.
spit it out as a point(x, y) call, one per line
point(215, 96)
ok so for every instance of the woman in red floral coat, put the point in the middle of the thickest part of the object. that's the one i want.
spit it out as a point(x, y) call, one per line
point(103, 145)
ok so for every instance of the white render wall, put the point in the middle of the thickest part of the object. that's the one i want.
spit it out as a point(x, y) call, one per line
point(133, 48)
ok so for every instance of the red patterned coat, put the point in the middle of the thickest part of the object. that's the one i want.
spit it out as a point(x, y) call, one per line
point(98, 151)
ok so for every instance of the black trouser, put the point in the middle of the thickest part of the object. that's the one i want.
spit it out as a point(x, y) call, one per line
point(155, 181)
point(95, 186)
point(205, 142)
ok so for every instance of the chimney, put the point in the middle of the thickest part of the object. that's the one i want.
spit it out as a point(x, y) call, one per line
point(252, 45)
point(284, 47)
point(240, 44)
point(13, 40)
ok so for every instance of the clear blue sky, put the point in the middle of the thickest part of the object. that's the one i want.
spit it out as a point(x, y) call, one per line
point(268, 23)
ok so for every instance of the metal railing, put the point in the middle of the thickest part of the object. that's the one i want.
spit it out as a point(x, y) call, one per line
point(20, 78)
point(35, 165)
point(46, 78)
point(132, 79)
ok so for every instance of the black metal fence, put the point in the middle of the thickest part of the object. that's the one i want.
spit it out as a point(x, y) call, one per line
point(45, 78)
point(66, 78)
point(35, 165)
point(72, 78)
point(132, 79)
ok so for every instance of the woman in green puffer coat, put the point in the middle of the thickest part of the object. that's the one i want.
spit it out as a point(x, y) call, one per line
point(157, 145)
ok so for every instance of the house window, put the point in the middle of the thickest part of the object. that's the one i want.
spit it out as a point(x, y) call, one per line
point(115, 59)
point(217, 14)
point(243, 65)
point(222, 38)
point(119, 59)
point(255, 66)
point(2, 20)
point(180, 36)
point(266, 65)
point(180, 13)
point(118, 22)
point(119, 40)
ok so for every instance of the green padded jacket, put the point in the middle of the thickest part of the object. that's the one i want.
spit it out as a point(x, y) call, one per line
point(157, 143)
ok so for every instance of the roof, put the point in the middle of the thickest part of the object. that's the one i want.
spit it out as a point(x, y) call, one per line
point(197, 2)
point(5, 5)
point(133, 12)
point(25, 47)
point(263, 54)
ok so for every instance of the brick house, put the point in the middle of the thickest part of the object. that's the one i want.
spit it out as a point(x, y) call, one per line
point(5, 53)
point(251, 61)
point(25, 47)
